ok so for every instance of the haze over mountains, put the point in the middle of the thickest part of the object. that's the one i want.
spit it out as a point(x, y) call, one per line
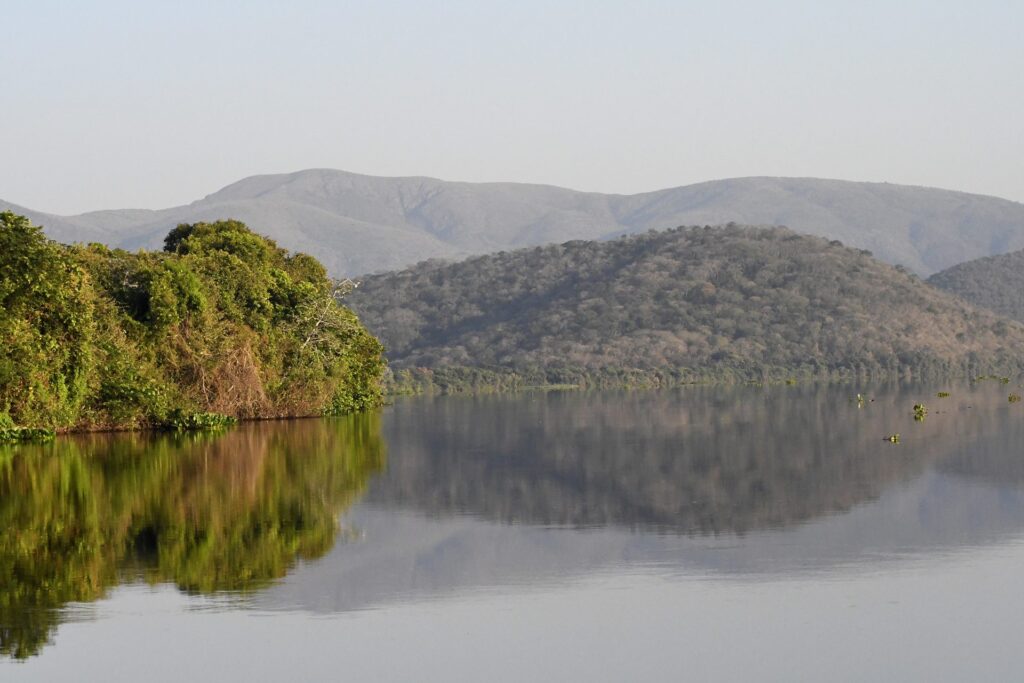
point(359, 224)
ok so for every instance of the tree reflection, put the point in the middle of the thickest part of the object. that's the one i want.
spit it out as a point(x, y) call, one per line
point(227, 512)
point(697, 462)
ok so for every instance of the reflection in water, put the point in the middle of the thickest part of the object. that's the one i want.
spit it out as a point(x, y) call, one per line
point(508, 494)
point(497, 492)
point(698, 461)
point(206, 512)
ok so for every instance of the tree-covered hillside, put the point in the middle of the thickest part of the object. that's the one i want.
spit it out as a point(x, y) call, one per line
point(684, 304)
point(222, 321)
point(996, 282)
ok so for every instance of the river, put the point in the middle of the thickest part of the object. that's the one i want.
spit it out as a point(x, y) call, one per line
point(705, 533)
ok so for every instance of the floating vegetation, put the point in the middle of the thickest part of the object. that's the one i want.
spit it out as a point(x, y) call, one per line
point(180, 421)
point(893, 438)
point(25, 434)
point(919, 412)
point(1014, 398)
point(982, 378)
point(943, 394)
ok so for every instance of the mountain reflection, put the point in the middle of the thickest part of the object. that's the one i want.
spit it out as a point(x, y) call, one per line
point(733, 481)
point(499, 493)
point(707, 461)
point(205, 512)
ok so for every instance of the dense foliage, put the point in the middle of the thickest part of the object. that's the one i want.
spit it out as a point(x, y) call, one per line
point(205, 512)
point(675, 306)
point(223, 321)
point(995, 282)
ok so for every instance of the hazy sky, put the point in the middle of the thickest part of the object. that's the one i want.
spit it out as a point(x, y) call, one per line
point(152, 104)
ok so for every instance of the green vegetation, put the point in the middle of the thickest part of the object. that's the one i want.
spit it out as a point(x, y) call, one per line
point(23, 434)
point(222, 325)
point(943, 394)
point(1014, 398)
point(206, 512)
point(11, 433)
point(689, 305)
point(995, 282)
point(189, 422)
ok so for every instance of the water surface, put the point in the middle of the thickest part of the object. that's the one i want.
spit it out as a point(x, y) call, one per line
point(704, 533)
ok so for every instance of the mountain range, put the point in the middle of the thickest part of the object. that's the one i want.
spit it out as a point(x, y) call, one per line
point(357, 224)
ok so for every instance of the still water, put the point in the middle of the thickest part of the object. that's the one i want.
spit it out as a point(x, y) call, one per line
point(698, 534)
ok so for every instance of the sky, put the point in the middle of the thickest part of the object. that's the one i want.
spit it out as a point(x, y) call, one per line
point(112, 104)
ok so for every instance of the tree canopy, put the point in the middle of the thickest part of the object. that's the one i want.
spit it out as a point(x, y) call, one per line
point(222, 321)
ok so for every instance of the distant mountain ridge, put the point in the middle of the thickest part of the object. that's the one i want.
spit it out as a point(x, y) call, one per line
point(359, 224)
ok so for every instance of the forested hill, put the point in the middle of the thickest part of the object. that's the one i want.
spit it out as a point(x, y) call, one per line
point(221, 324)
point(996, 282)
point(737, 301)
point(357, 224)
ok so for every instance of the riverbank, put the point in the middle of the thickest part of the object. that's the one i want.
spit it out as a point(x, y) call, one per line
point(474, 380)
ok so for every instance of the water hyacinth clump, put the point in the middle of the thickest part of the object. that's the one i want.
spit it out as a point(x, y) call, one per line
point(180, 421)
point(24, 434)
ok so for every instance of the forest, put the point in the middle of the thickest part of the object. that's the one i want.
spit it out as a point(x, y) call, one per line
point(994, 282)
point(729, 303)
point(221, 325)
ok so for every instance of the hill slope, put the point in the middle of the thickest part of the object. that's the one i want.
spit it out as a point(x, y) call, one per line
point(735, 300)
point(995, 282)
point(398, 221)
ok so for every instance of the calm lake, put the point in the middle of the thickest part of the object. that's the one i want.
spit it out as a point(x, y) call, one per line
point(698, 534)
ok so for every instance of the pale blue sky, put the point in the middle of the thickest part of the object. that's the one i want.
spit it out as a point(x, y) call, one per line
point(136, 104)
